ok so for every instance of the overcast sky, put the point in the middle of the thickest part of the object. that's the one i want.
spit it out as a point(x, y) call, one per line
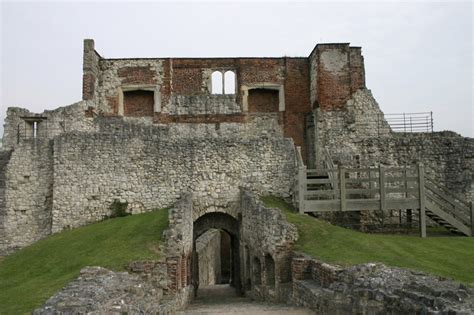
point(418, 55)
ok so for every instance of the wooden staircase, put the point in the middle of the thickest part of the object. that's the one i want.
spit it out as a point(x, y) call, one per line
point(448, 209)
point(383, 188)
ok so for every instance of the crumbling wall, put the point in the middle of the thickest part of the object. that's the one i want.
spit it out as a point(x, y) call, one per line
point(374, 289)
point(74, 117)
point(360, 137)
point(91, 71)
point(337, 71)
point(26, 217)
point(160, 286)
point(266, 240)
point(150, 166)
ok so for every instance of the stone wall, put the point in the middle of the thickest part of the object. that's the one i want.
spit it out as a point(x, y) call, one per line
point(359, 136)
point(337, 71)
point(266, 242)
point(91, 70)
point(150, 167)
point(26, 217)
point(208, 250)
point(149, 287)
point(374, 289)
point(18, 126)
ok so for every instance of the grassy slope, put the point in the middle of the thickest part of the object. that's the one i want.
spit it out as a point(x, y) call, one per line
point(451, 257)
point(30, 276)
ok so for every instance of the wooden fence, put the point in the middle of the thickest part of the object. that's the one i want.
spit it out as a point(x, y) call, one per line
point(382, 189)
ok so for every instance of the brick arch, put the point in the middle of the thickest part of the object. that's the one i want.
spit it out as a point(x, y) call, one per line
point(227, 223)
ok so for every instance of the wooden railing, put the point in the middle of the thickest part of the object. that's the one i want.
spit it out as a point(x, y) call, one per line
point(381, 189)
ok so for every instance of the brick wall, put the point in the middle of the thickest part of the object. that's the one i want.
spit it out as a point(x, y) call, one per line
point(297, 100)
point(261, 100)
point(339, 72)
point(136, 75)
point(138, 103)
point(187, 81)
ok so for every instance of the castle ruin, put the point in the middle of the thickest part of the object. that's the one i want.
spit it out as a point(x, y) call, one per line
point(149, 130)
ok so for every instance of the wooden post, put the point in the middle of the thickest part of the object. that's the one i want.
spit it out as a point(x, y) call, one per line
point(405, 176)
point(421, 189)
point(301, 188)
point(371, 184)
point(342, 183)
point(382, 191)
point(472, 218)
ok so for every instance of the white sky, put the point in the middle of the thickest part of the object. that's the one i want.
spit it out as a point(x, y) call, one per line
point(418, 55)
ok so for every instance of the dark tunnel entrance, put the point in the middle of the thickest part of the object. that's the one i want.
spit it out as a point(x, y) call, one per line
point(216, 253)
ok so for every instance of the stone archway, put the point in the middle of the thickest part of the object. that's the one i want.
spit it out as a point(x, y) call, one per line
point(227, 223)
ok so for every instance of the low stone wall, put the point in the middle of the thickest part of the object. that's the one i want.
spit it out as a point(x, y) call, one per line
point(375, 289)
point(149, 287)
point(266, 242)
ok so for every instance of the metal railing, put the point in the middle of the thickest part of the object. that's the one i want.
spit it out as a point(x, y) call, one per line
point(409, 122)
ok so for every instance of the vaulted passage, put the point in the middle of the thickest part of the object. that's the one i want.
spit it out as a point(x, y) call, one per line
point(216, 258)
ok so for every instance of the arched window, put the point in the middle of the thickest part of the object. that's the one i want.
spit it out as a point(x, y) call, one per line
point(216, 83)
point(229, 82)
point(269, 271)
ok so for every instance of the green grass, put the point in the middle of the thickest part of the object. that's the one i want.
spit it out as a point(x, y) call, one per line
point(450, 257)
point(30, 276)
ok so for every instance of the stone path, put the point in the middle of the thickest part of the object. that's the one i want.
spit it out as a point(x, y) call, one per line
point(222, 299)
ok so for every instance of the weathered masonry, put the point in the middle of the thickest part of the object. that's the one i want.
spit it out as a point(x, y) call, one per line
point(149, 129)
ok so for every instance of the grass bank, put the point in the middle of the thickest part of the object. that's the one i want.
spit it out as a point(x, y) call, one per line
point(30, 276)
point(450, 257)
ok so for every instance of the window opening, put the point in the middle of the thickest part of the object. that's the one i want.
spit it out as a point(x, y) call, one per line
point(229, 82)
point(217, 82)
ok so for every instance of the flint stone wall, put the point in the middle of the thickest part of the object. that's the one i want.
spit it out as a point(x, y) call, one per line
point(150, 170)
point(60, 120)
point(208, 250)
point(26, 216)
point(266, 240)
point(360, 137)
point(149, 287)
point(375, 289)
point(202, 105)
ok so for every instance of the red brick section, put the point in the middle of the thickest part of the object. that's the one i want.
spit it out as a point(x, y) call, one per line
point(357, 69)
point(262, 101)
point(187, 81)
point(136, 75)
point(259, 70)
point(187, 73)
point(297, 103)
point(166, 83)
point(173, 271)
point(88, 86)
point(113, 104)
point(301, 268)
point(184, 271)
point(335, 89)
point(138, 103)
point(183, 76)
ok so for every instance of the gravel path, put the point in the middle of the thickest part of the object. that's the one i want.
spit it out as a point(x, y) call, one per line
point(221, 299)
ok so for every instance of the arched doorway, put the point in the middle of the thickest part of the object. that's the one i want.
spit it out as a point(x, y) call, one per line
point(230, 252)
